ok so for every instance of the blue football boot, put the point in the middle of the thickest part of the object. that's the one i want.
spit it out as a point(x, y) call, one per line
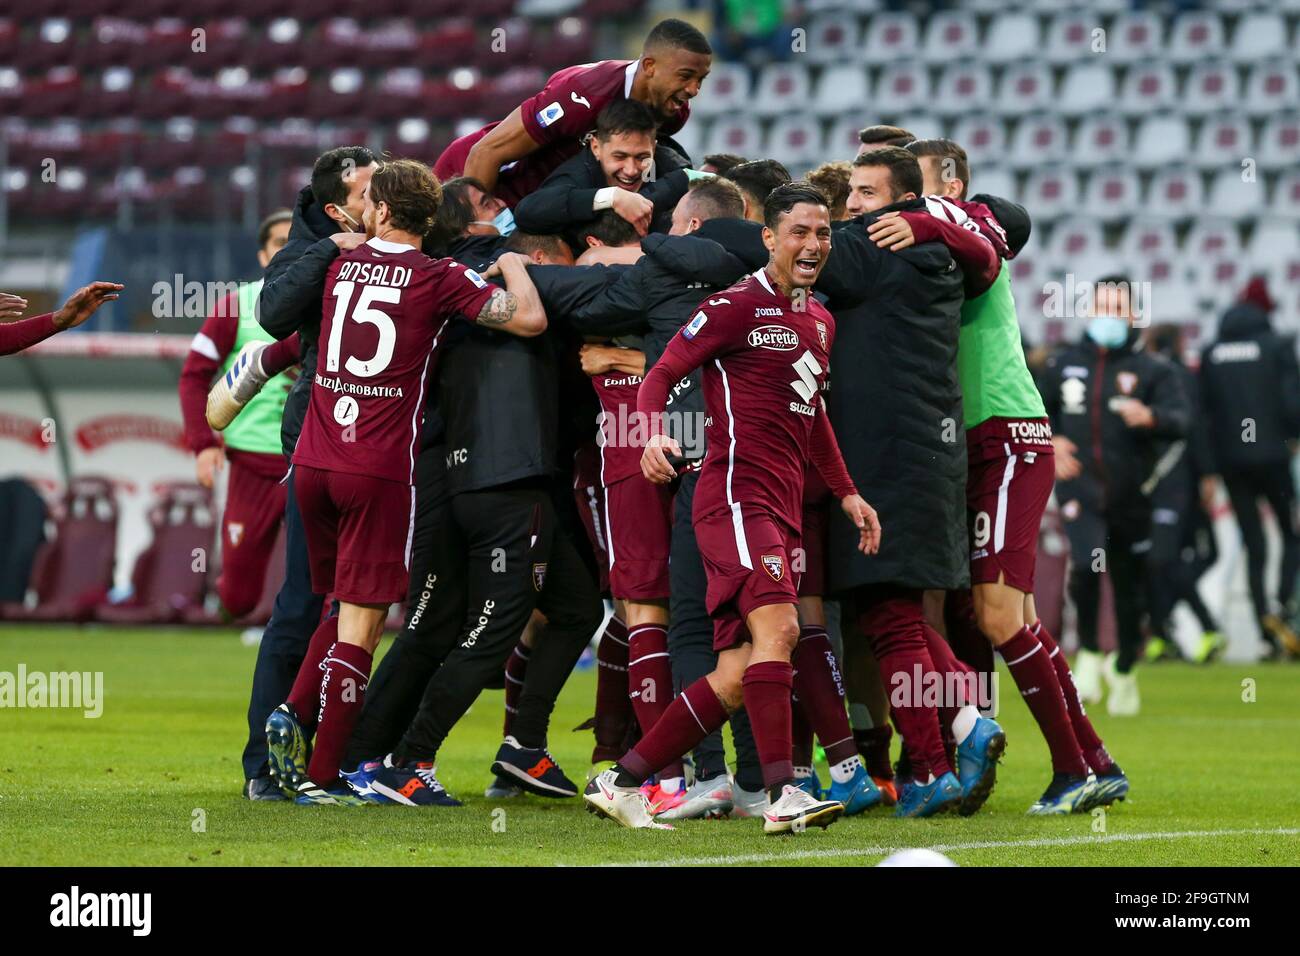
point(810, 785)
point(858, 794)
point(977, 763)
point(1066, 793)
point(1107, 788)
point(924, 800)
point(287, 749)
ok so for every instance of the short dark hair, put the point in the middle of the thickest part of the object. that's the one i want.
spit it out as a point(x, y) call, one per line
point(949, 154)
point(456, 211)
point(677, 34)
point(788, 195)
point(269, 223)
point(528, 243)
point(833, 180)
point(758, 177)
point(327, 185)
point(411, 192)
point(886, 135)
point(625, 116)
point(721, 162)
point(904, 169)
point(715, 198)
point(611, 229)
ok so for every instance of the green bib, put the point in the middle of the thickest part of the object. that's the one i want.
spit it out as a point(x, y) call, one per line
point(257, 427)
point(995, 381)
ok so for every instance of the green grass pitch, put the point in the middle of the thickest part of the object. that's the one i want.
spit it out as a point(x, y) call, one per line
point(155, 780)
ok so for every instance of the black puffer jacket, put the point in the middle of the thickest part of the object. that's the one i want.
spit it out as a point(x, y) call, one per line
point(895, 403)
point(1250, 374)
point(291, 300)
point(1082, 387)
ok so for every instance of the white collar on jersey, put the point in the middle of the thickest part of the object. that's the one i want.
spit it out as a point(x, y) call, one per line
point(628, 76)
point(761, 276)
point(383, 245)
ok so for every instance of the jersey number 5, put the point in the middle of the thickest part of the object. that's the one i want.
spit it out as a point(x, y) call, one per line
point(362, 368)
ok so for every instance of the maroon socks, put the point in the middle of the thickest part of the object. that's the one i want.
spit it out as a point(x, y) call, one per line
point(1035, 675)
point(613, 708)
point(694, 714)
point(342, 695)
point(767, 687)
point(305, 697)
point(650, 680)
point(1093, 750)
point(821, 693)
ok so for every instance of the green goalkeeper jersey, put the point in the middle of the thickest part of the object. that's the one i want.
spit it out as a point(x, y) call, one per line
point(995, 381)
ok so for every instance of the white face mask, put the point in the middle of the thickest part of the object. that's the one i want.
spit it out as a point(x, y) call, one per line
point(356, 226)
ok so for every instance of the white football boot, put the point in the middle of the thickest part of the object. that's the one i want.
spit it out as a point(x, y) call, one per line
point(797, 810)
point(705, 798)
point(625, 805)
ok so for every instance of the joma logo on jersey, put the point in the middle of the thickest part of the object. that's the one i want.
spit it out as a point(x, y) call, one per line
point(775, 338)
point(774, 565)
point(768, 312)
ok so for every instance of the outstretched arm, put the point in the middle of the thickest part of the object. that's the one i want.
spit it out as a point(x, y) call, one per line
point(81, 305)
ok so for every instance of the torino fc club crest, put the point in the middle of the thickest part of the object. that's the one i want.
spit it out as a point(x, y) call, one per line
point(821, 335)
point(236, 530)
point(539, 576)
point(1127, 381)
point(774, 565)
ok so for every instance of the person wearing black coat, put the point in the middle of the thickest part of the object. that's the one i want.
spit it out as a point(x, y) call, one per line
point(1111, 406)
point(326, 219)
point(1250, 391)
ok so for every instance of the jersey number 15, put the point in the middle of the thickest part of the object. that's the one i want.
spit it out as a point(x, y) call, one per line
point(362, 368)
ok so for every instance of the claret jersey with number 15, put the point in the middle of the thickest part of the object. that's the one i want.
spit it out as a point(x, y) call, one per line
point(385, 309)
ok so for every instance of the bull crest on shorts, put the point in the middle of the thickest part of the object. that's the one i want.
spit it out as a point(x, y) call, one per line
point(236, 530)
point(774, 565)
point(539, 575)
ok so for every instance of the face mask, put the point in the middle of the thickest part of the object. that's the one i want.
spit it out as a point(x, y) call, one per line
point(504, 221)
point(1108, 331)
point(352, 222)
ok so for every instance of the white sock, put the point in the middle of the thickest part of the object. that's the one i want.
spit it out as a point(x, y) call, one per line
point(860, 717)
point(964, 722)
point(843, 771)
point(929, 779)
point(671, 784)
point(802, 773)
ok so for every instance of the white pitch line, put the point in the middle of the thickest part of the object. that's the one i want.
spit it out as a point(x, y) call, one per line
point(957, 847)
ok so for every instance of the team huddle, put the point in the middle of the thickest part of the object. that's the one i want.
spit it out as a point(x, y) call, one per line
point(568, 365)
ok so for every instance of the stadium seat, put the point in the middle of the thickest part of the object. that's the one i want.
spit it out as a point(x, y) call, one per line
point(1037, 140)
point(1279, 144)
point(950, 36)
point(1175, 193)
point(75, 569)
point(1086, 89)
point(1271, 87)
point(996, 181)
point(1012, 37)
point(903, 86)
point(1160, 140)
point(921, 125)
point(1112, 193)
point(1100, 140)
point(795, 140)
point(963, 88)
point(1259, 36)
point(1274, 240)
point(1197, 35)
point(1211, 238)
point(1071, 37)
point(1210, 87)
point(1162, 267)
point(1025, 88)
point(1135, 37)
point(834, 38)
point(1051, 193)
point(840, 89)
point(842, 139)
point(1286, 197)
point(1223, 140)
point(983, 137)
point(739, 135)
point(891, 37)
point(1171, 300)
point(1235, 198)
point(724, 92)
point(1147, 238)
point(164, 583)
point(782, 88)
point(1148, 87)
point(1073, 238)
point(1220, 280)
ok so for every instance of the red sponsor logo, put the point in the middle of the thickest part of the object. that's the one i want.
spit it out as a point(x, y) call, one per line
point(25, 430)
point(98, 432)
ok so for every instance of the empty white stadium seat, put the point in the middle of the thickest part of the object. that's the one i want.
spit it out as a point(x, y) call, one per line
point(782, 88)
point(1271, 86)
point(1197, 35)
point(1087, 87)
point(725, 91)
point(903, 86)
point(795, 140)
point(1274, 240)
point(1223, 140)
point(1072, 36)
point(1162, 139)
point(841, 89)
point(1175, 193)
point(842, 139)
point(962, 88)
point(1099, 140)
point(1210, 87)
point(1148, 87)
point(995, 181)
point(1279, 144)
point(834, 38)
point(1258, 36)
point(1052, 192)
point(890, 37)
point(1012, 37)
point(734, 134)
point(983, 137)
point(1112, 193)
point(920, 125)
point(1147, 238)
point(1038, 140)
point(1286, 197)
point(1135, 37)
point(1212, 238)
point(1075, 237)
point(1235, 198)
point(950, 35)
point(1025, 88)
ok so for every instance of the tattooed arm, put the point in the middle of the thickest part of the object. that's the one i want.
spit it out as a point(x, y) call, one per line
point(517, 308)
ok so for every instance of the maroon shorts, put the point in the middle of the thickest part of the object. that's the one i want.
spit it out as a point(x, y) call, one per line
point(747, 561)
point(1011, 473)
point(254, 511)
point(638, 534)
point(812, 567)
point(358, 534)
point(590, 499)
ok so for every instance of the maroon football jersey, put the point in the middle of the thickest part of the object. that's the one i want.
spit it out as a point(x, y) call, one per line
point(386, 306)
point(557, 118)
point(620, 438)
point(764, 362)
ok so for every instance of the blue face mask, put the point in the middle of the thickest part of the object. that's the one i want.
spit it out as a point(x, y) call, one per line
point(1108, 331)
point(504, 222)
